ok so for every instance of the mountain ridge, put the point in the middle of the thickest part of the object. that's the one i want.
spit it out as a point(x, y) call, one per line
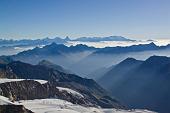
point(60, 40)
point(99, 39)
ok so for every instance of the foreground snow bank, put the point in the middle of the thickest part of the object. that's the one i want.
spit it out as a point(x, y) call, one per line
point(62, 106)
point(4, 80)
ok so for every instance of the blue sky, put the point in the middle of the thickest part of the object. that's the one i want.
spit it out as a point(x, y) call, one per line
point(138, 19)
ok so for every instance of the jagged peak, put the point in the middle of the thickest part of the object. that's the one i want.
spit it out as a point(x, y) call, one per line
point(67, 38)
point(129, 60)
point(152, 43)
point(44, 62)
point(155, 57)
point(53, 44)
point(157, 60)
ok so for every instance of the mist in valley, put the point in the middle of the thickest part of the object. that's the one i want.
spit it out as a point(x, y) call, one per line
point(86, 63)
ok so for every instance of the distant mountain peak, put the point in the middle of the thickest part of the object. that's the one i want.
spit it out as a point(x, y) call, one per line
point(129, 61)
point(158, 59)
point(67, 38)
point(81, 45)
point(53, 44)
point(98, 39)
point(146, 45)
point(114, 37)
point(153, 44)
point(42, 62)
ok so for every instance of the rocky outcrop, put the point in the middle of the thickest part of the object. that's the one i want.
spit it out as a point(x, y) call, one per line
point(30, 89)
point(14, 109)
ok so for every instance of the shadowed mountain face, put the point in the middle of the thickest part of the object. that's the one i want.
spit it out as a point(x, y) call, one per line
point(120, 69)
point(48, 64)
point(87, 87)
point(5, 59)
point(141, 84)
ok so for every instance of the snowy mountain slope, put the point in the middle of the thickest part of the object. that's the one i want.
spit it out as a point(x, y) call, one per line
point(5, 101)
point(4, 80)
point(62, 106)
point(70, 91)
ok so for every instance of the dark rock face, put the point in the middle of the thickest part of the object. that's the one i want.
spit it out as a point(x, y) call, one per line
point(30, 89)
point(24, 90)
point(5, 72)
point(121, 69)
point(93, 93)
point(141, 84)
point(13, 109)
point(5, 59)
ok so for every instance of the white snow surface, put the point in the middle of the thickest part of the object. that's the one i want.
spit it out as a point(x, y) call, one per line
point(4, 80)
point(62, 106)
point(4, 101)
point(75, 93)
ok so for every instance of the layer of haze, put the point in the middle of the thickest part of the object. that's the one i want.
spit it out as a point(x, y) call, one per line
point(138, 19)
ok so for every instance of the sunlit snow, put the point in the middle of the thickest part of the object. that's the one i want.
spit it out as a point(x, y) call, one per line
point(4, 80)
point(70, 91)
point(62, 106)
